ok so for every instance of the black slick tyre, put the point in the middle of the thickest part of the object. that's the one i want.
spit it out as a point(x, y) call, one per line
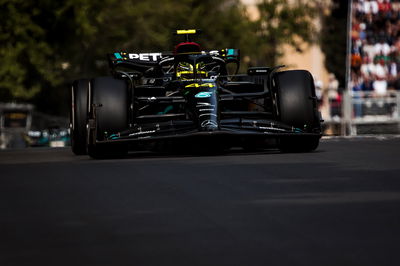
point(108, 100)
point(78, 116)
point(297, 107)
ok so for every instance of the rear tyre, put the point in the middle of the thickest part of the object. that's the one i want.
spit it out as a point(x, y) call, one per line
point(109, 115)
point(79, 116)
point(297, 107)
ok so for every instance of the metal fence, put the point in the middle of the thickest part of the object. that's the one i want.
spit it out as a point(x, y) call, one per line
point(365, 113)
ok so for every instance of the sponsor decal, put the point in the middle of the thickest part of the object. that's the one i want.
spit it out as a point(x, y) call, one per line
point(118, 55)
point(202, 85)
point(210, 114)
point(142, 132)
point(146, 56)
point(205, 105)
point(214, 52)
point(203, 94)
point(271, 128)
point(209, 123)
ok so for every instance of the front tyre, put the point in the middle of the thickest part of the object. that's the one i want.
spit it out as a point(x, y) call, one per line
point(297, 107)
point(108, 101)
point(78, 116)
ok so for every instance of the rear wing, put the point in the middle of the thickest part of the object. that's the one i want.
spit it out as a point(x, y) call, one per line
point(143, 61)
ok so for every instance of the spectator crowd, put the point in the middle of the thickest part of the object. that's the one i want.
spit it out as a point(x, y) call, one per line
point(375, 50)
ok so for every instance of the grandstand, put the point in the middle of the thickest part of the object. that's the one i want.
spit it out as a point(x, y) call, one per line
point(374, 81)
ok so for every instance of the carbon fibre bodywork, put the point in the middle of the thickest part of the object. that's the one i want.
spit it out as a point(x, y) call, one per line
point(190, 95)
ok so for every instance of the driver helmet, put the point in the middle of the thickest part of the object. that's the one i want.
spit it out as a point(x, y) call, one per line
point(185, 71)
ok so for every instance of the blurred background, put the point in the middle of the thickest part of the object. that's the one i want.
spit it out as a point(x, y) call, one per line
point(350, 47)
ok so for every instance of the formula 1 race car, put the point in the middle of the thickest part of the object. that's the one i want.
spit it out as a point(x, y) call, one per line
point(189, 98)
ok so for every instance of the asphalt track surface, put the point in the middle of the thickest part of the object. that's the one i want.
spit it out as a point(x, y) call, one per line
point(337, 206)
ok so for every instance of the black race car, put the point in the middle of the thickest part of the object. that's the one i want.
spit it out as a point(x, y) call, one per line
point(192, 98)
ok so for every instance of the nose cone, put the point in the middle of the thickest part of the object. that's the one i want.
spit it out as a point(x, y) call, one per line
point(211, 128)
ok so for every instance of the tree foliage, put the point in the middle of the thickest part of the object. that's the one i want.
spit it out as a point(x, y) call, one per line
point(333, 40)
point(284, 22)
point(25, 52)
point(45, 44)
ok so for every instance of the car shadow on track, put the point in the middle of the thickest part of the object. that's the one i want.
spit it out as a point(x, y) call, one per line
point(186, 154)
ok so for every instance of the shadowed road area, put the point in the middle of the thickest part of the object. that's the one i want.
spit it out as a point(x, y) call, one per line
point(337, 206)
